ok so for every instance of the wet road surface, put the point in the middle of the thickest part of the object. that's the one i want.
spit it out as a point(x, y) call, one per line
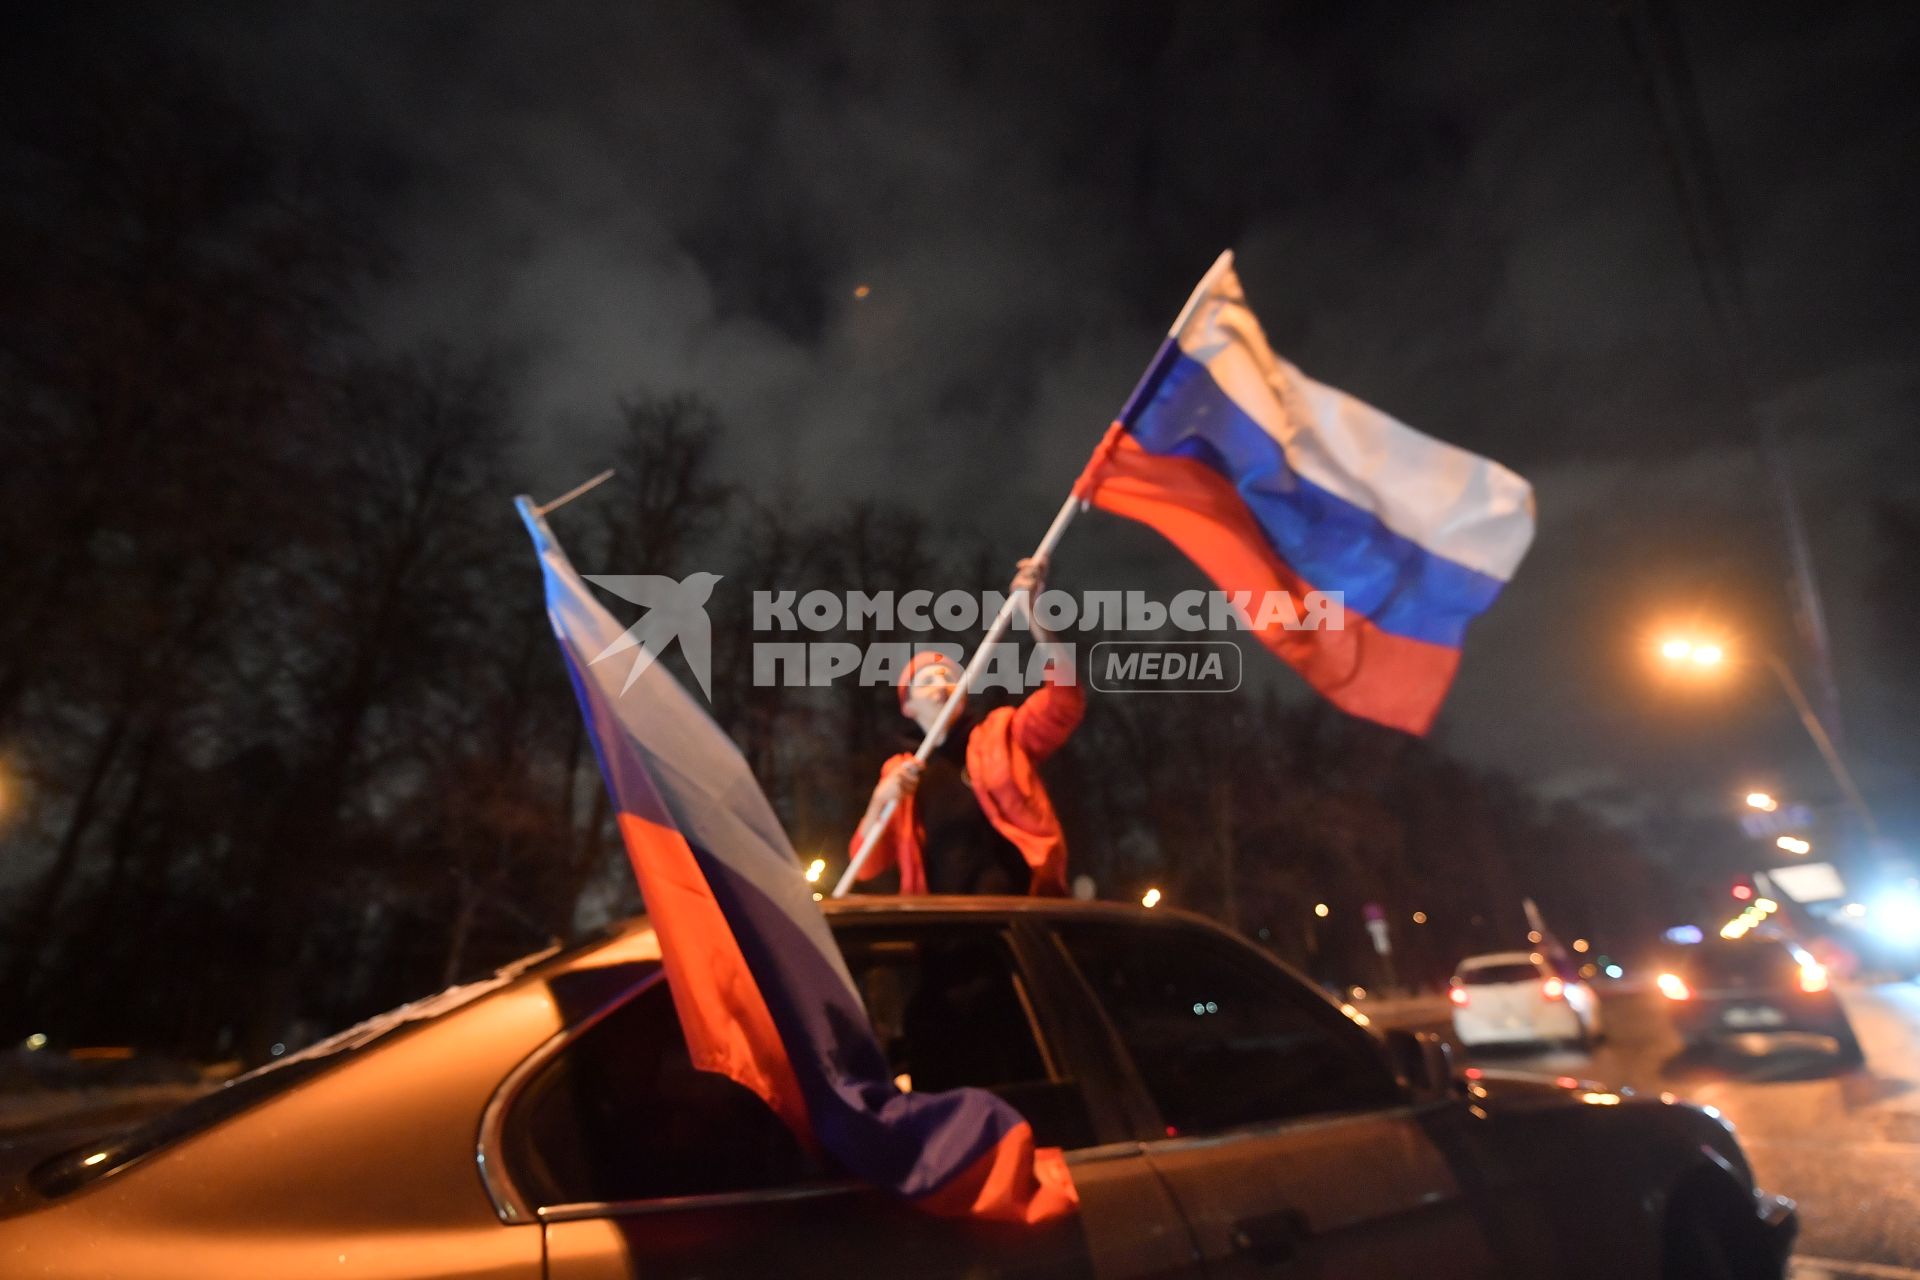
point(1845, 1144)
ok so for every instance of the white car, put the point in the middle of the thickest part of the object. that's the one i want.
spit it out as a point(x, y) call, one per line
point(1516, 997)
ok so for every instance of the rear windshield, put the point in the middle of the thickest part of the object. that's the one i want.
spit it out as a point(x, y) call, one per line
point(1499, 973)
point(1742, 962)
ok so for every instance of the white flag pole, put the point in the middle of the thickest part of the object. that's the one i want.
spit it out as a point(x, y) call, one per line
point(1068, 509)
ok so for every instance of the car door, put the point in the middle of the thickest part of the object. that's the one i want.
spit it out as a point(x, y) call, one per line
point(1285, 1139)
point(643, 1167)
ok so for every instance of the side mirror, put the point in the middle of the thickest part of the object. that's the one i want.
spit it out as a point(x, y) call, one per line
point(1423, 1062)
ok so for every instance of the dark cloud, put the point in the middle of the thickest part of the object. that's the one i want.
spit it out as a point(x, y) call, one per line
point(1458, 213)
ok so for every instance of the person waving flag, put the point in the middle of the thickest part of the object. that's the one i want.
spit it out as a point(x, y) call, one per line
point(1272, 482)
point(759, 985)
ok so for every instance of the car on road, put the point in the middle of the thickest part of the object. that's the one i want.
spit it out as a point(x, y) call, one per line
point(1517, 997)
point(1756, 984)
point(1220, 1117)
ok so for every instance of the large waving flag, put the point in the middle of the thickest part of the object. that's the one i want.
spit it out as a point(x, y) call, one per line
point(760, 987)
point(1270, 481)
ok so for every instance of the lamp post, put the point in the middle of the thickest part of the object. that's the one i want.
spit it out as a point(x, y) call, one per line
point(1699, 657)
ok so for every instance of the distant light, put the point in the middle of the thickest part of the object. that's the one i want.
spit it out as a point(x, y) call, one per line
point(1684, 934)
point(1537, 958)
point(1672, 987)
point(1150, 898)
point(815, 869)
point(1765, 906)
point(1675, 650)
point(1813, 977)
point(1458, 994)
point(1614, 971)
point(1762, 801)
point(1357, 993)
point(1734, 930)
point(1320, 909)
point(1359, 1018)
point(903, 1082)
point(277, 1050)
point(1707, 655)
point(1580, 945)
point(38, 1040)
point(1600, 1099)
point(1857, 910)
point(1419, 917)
point(819, 896)
point(1744, 892)
point(95, 1158)
point(1793, 844)
point(1533, 936)
point(861, 290)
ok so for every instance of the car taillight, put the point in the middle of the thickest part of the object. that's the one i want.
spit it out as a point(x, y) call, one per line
point(1672, 987)
point(1813, 978)
point(1458, 995)
point(1553, 989)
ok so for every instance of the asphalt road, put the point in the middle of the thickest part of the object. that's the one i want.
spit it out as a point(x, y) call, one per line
point(1846, 1145)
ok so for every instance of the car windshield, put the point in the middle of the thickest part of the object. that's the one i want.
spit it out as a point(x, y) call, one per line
point(1487, 975)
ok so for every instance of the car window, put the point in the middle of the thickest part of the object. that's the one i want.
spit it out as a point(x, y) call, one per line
point(949, 1009)
point(621, 1113)
point(1488, 975)
point(1742, 962)
point(1220, 1037)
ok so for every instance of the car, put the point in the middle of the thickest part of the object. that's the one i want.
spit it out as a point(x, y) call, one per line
point(1754, 985)
point(1220, 1116)
point(1517, 997)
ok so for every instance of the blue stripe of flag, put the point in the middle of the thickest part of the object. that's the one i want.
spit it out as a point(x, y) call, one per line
point(1332, 544)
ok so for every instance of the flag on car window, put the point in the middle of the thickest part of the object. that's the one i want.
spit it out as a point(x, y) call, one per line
point(760, 987)
point(1272, 482)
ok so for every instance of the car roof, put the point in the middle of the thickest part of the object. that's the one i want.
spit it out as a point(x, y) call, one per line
point(632, 938)
point(1493, 958)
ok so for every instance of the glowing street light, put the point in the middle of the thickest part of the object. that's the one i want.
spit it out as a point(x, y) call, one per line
point(1700, 656)
point(1150, 898)
point(1419, 917)
point(1762, 801)
point(815, 869)
point(1320, 909)
point(1793, 844)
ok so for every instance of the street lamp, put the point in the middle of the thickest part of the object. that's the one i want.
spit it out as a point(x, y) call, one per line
point(1701, 656)
point(1762, 801)
point(1793, 844)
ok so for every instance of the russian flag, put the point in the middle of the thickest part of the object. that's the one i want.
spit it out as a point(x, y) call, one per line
point(1270, 481)
point(760, 987)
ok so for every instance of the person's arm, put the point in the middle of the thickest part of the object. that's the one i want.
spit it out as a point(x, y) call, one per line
point(1047, 717)
point(899, 778)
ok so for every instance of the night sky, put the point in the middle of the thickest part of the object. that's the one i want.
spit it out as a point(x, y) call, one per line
point(1457, 213)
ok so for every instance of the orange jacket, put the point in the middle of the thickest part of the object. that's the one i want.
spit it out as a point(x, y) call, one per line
point(1004, 752)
